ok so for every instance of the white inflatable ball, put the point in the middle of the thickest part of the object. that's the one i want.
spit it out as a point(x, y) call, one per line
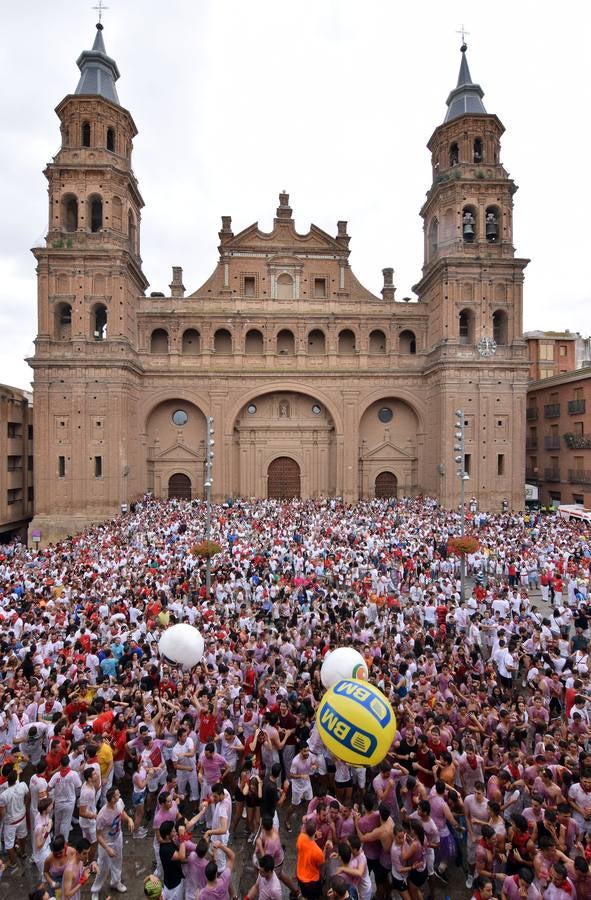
point(344, 662)
point(182, 644)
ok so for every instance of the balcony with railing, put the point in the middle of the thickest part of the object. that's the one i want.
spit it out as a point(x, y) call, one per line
point(531, 413)
point(552, 410)
point(551, 442)
point(579, 476)
point(531, 474)
point(531, 443)
point(576, 407)
point(551, 474)
point(577, 441)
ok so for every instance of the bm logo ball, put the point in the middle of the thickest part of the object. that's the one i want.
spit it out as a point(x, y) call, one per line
point(356, 722)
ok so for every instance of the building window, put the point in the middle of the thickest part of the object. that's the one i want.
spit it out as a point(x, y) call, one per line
point(562, 350)
point(499, 321)
point(191, 342)
point(578, 428)
point(500, 463)
point(98, 467)
point(466, 327)
point(285, 287)
point(253, 343)
point(14, 430)
point(30, 493)
point(454, 155)
point(63, 322)
point(14, 463)
point(99, 323)
point(320, 288)
point(492, 218)
point(407, 342)
point(316, 409)
point(61, 466)
point(316, 342)
point(249, 286)
point(545, 372)
point(377, 342)
point(96, 214)
point(14, 495)
point(346, 342)
point(159, 341)
point(579, 499)
point(111, 139)
point(469, 224)
point(545, 350)
point(222, 342)
point(180, 417)
point(131, 232)
point(69, 213)
point(385, 414)
point(467, 463)
point(434, 235)
point(29, 464)
point(251, 409)
point(478, 157)
point(285, 343)
point(86, 134)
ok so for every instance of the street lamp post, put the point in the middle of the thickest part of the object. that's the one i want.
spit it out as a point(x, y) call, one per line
point(460, 460)
point(209, 444)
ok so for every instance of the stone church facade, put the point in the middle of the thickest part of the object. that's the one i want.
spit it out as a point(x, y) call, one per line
point(317, 386)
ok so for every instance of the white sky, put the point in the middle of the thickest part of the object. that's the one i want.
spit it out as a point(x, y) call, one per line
point(332, 100)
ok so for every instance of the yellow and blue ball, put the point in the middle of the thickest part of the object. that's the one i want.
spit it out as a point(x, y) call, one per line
point(356, 722)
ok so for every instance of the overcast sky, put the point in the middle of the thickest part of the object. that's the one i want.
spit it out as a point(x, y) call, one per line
point(331, 100)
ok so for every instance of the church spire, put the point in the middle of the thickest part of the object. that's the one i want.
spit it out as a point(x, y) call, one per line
point(98, 71)
point(466, 97)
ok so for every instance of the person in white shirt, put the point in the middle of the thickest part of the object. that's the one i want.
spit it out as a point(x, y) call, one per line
point(64, 787)
point(183, 758)
point(13, 811)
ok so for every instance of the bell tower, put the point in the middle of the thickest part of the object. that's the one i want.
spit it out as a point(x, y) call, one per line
point(472, 283)
point(89, 278)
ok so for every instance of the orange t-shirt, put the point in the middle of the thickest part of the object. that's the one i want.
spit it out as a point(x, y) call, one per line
point(310, 858)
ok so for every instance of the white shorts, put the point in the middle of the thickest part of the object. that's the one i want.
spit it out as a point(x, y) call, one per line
point(359, 776)
point(300, 790)
point(14, 831)
point(89, 831)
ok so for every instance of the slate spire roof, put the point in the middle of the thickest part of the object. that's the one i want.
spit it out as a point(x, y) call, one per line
point(466, 97)
point(98, 72)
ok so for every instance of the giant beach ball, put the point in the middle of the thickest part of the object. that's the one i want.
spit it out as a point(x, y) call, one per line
point(182, 644)
point(356, 722)
point(344, 662)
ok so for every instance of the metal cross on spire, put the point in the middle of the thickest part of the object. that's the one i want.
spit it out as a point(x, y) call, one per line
point(462, 31)
point(100, 9)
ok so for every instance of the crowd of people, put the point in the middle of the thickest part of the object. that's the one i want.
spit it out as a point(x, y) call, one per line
point(488, 779)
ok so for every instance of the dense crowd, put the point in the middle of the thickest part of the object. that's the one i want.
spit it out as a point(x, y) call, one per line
point(489, 774)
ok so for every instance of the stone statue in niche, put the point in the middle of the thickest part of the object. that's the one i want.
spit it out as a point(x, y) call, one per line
point(284, 409)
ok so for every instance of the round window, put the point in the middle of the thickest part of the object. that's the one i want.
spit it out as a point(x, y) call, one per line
point(316, 409)
point(385, 414)
point(251, 409)
point(180, 417)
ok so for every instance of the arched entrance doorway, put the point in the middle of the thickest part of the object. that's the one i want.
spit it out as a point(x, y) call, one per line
point(179, 487)
point(386, 485)
point(283, 479)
